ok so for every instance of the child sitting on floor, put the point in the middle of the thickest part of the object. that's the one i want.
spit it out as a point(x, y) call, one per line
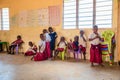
point(60, 47)
point(32, 49)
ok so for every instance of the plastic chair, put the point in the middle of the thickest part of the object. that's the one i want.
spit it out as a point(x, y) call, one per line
point(62, 54)
point(19, 48)
point(106, 46)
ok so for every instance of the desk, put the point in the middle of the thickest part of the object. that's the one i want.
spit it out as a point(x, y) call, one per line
point(5, 44)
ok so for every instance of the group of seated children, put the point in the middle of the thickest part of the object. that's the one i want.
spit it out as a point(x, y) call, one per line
point(47, 46)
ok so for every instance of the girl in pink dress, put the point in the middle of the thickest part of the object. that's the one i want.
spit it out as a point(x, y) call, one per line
point(32, 49)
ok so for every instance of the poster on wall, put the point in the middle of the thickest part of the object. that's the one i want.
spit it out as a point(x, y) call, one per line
point(22, 19)
point(32, 18)
point(54, 15)
point(43, 17)
point(14, 20)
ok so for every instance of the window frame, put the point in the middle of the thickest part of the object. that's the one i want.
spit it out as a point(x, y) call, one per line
point(2, 28)
point(94, 16)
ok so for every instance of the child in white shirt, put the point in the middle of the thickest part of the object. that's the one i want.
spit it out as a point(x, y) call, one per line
point(61, 46)
point(83, 43)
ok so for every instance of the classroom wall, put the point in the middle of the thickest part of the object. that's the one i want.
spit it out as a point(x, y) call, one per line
point(32, 33)
point(118, 31)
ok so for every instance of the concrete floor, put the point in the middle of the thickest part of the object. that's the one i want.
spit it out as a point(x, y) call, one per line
point(18, 67)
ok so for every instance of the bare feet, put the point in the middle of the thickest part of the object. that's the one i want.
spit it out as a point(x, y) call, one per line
point(32, 58)
point(101, 65)
point(92, 65)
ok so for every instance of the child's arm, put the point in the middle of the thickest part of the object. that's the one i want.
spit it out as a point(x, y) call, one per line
point(84, 38)
point(58, 44)
point(98, 36)
point(65, 43)
point(14, 42)
point(40, 44)
point(39, 48)
point(91, 39)
point(35, 48)
point(56, 35)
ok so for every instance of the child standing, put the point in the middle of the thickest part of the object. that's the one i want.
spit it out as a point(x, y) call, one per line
point(47, 39)
point(18, 42)
point(41, 55)
point(53, 36)
point(76, 47)
point(69, 48)
point(83, 43)
point(32, 49)
point(60, 46)
point(95, 52)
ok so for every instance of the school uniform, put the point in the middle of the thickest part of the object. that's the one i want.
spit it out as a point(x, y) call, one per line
point(76, 49)
point(53, 38)
point(42, 54)
point(95, 50)
point(31, 51)
point(48, 39)
point(61, 46)
point(14, 44)
point(82, 44)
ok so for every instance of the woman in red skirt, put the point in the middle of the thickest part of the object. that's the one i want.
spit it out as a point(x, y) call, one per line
point(95, 52)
